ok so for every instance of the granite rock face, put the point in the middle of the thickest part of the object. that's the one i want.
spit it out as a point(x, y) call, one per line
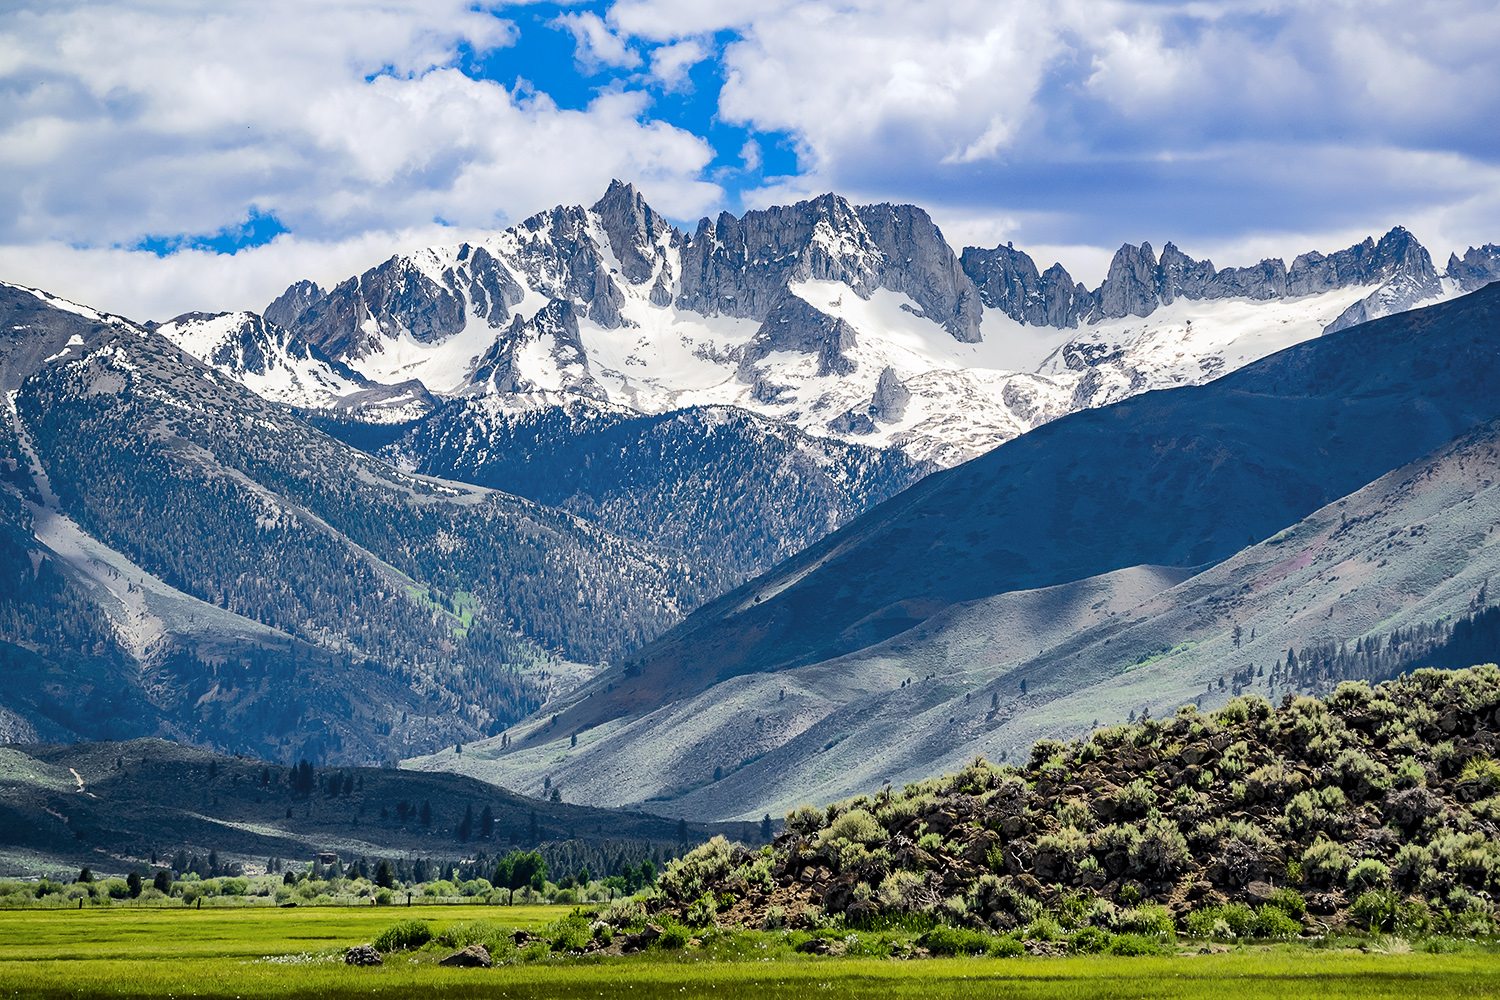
point(1266, 280)
point(889, 403)
point(741, 266)
point(1178, 275)
point(1130, 287)
point(1007, 280)
point(1477, 268)
point(292, 303)
point(553, 331)
point(636, 234)
point(794, 325)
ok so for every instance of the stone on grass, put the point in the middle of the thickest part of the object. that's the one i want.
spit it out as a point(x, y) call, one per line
point(475, 956)
point(362, 954)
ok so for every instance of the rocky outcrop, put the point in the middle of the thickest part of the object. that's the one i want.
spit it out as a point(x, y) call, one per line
point(1477, 268)
point(1007, 280)
point(553, 333)
point(362, 954)
point(889, 402)
point(793, 325)
point(475, 956)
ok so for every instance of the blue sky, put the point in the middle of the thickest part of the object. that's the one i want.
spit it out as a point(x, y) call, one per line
point(158, 157)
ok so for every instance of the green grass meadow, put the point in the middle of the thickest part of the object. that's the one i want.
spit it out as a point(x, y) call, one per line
point(250, 952)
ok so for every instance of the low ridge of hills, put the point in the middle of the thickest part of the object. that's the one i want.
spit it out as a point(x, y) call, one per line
point(116, 805)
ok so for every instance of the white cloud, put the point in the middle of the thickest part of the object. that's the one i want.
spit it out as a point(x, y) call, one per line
point(1069, 124)
point(596, 45)
point(125, 118)
point(670, 63)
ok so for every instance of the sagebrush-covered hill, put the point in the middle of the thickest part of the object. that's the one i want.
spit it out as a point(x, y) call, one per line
point(1376, 806)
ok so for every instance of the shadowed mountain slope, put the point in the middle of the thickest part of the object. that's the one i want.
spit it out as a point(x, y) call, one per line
point(1391, 577)
point(1183, 477)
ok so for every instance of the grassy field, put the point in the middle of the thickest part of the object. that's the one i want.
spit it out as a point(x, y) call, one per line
point(251, 953)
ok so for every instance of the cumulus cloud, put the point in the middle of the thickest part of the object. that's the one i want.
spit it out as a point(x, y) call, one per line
point(123, 119)
point(1093, 121)
point(596, 45)
point(1073, 124)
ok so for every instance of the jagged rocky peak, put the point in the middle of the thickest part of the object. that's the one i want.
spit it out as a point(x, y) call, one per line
point(551, 334)
point(634, 231)
point(1477, 268)
point(1137, 283)
point(1364, 263)
point(1007, 280)
point(289, 306)
point(1130, 287)
point(741, 266)
point(1177, 274)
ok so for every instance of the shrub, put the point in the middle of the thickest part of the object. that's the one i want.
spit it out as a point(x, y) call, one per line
point(1273, 922)
point(1409, 774)
point(704, 865)
point(673, 935)
point(403, 935)
point(945, 940)
point(1133, 945)
point(570, 933)
point(1288, 901)
point(1135, 798)
point(1148, 918)
point(1410, 864)
point(1368, 874)
point(1273, 782)
point(1044, 750)
point(1118, 837)
point(1161, 849)
point(1380, 909)
point(1005, 947)
point(382, 898)
point(805, 819)
point(1325, 862)
point(1483, 772)
point(1088, 941)
point(1361, 775)
point(702, 912)
point(856, 826)
point(1221, 923)
point(774, 919)
point(1065, 847)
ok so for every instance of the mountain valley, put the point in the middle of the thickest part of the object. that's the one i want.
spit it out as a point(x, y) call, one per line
point(789, 506)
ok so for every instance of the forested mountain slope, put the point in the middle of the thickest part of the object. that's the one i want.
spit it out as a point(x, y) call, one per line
point(212, 494)
point(733, 492)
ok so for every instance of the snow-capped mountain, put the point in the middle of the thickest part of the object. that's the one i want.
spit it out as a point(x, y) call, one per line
point(285, 369)
point(856, 322)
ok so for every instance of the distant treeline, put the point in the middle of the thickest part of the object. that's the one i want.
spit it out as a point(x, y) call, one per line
point(1448, 645)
